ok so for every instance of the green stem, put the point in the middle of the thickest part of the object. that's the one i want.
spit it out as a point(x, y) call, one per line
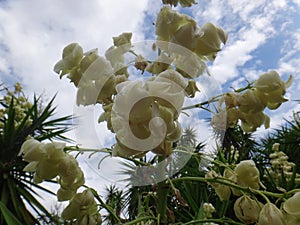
point(162, 195)
point(223, 220)
point(140, 220)
point(216, 98)
point(107, 207)
point(230, 184)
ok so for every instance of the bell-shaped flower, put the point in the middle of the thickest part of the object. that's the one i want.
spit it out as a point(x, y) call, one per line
point(270, 81)
point(223, 192)
point(291, 220)
point(210, 42)
point(247, 174)
point(187, 3)
point(247, 210)
point(71, 57)
point(122, 39)
point(251, 121)
point(82, 205)
point(292, 205)
point(75, 76)
point(32, 150)
point(167, 23)
point(271, 88)
point(270, 214)
point(46, 170)
point(186, 35)
point(249, 102)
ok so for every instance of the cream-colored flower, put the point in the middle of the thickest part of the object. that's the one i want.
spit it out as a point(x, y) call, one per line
point(249, 102)
point(292, 205)
point(251, 121)
point(49, 161)
point(247, 210)
point(270, 214)
point(144, 116)
point(71, 56)
point(99, 68)
point(32, 150)
point(247, 174)
point(191, 89)
point(122, 39)
point(186, 35)
point(291, 220)
point(271, 89)
point(83, 207)
point(167, 23)
point(209, 44)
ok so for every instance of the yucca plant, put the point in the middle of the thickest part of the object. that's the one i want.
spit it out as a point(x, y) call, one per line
point(19, 119)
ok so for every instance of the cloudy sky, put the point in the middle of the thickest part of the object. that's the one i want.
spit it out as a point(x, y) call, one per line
point(263, 35)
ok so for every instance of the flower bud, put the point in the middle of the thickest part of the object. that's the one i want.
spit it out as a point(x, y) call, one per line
point(247, 210)
point(270, 215)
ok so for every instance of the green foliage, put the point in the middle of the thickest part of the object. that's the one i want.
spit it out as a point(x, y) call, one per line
point(16, 186)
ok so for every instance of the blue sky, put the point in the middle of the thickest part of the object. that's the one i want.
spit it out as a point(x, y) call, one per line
point(263, 35)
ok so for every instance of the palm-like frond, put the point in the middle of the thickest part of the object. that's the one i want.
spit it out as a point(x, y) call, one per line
point(115, 200)
point(16, 186)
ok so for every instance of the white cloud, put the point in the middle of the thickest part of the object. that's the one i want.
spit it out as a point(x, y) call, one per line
point(236, 54)
point(3, 66)
point(297, 2)
point(33, 34)
point(250, 25)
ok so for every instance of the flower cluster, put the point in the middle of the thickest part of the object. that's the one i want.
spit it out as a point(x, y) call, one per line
point(49, 160)
point(247, 208)
point(144, 116)
point(138, 105)
point(280, 166)
point(93, 75)
point(173, 29)
point(251, 211)
point(20, 106)
point(245, 174)
point(248, 107)
point(83, 208)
